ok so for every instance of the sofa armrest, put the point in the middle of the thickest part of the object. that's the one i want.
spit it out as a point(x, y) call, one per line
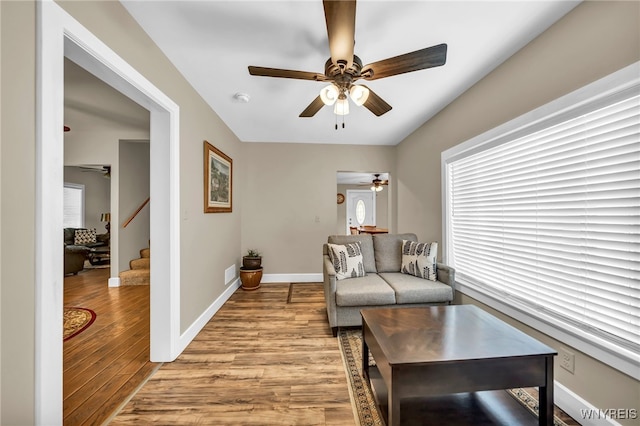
point(329, 273)
point(446, 274)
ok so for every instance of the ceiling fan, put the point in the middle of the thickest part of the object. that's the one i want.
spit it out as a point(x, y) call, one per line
point(377, 183)
point(344, 68)
point(105, 170)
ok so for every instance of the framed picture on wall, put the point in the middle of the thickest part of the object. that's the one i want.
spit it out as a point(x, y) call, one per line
point(217, 180)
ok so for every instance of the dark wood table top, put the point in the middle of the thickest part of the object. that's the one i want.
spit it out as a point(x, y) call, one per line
point(441, 334)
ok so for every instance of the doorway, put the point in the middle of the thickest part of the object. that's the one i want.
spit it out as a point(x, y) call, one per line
point(383, 210)
point(60, 36)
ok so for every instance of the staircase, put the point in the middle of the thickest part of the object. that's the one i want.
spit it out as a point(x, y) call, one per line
point(139, 272)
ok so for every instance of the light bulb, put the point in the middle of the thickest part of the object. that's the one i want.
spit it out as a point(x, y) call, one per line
point(341, 107)
point(329, 94)
point(359, 94)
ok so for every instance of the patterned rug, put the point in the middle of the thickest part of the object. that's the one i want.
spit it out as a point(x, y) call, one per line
point(364, 404)
point(76, 320)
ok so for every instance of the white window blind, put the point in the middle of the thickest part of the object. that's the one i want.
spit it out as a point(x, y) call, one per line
point(551, 219)
point(73, 206)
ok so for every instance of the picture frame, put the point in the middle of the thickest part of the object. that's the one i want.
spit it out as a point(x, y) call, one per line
point(218, 180)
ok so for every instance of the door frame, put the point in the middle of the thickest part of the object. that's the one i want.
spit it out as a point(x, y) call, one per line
point(59, 35)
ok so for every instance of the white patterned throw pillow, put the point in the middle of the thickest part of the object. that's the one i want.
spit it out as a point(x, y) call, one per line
point(84, 236)
point(419, 259)
point(347, 260)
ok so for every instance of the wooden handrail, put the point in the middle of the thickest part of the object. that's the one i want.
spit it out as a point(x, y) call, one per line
point(136, 212)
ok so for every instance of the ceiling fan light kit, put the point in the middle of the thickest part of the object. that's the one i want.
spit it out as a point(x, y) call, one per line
point(344, 68)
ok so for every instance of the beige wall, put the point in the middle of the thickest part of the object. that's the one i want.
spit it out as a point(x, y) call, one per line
point(17, 176)
point(592, 41)
point(286, 186)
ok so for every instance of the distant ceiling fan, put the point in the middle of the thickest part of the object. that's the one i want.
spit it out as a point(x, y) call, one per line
point(105, 170)
point(344, 68)
point(377, 183)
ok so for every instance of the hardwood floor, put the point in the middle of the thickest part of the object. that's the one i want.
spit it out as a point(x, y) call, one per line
point(105, 363)
point(266, 358)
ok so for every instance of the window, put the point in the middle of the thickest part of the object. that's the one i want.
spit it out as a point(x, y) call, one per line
point(73, 211)
point(543, 215)
point(361, 211)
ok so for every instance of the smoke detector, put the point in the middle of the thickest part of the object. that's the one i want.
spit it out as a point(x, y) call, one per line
point(242, 97)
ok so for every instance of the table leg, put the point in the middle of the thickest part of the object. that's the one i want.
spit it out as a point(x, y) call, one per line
point(545, 396)
point(393, 402)
point(365, 357)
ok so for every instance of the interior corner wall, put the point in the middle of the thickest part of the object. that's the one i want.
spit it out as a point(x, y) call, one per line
point(17, 212)
point(595, 39)
point(289, 198)
point(133, 178)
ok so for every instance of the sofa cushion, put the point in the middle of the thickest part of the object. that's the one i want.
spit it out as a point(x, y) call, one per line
point(84, 237)
point(366, 244)
point(347, 260)
point(419, 259)
point(388, 251)
point(369, 290)
point(410, 289)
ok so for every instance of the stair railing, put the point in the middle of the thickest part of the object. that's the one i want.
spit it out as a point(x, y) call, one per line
point(128, 221)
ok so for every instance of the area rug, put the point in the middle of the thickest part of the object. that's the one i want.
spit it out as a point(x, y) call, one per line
point(76, 320)
point(365, 410)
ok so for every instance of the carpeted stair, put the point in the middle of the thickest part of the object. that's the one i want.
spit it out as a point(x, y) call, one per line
point(139, 274)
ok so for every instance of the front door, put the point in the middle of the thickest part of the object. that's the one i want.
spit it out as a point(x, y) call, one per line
point(361, 208)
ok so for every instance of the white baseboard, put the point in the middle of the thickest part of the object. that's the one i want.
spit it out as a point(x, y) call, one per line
point(114, 282)
point(292, 278)
point(198, 324)
point(581, 410)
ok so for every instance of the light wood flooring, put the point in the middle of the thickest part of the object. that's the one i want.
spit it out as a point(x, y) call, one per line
point(106, 362)
point(266, 358)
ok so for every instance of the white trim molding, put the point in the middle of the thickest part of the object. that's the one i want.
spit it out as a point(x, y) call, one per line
point(292, 278)
point(59, 35)
point(206, 316)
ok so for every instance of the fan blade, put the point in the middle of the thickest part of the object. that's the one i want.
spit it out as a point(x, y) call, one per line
point(376, 104)
point(276, 72)
point(340, 16)
point(429, 57)
point(313, 108)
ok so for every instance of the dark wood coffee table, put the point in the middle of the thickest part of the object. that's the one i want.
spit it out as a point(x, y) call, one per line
point(423, 353)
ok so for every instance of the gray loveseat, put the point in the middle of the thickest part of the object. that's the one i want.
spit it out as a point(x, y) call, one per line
point(383, 284)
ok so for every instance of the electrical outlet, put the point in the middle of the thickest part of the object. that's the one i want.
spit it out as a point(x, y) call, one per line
point(229, 274)
point(567, 360)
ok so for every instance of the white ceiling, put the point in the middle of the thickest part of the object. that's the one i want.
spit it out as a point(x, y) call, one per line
point(213, 42)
